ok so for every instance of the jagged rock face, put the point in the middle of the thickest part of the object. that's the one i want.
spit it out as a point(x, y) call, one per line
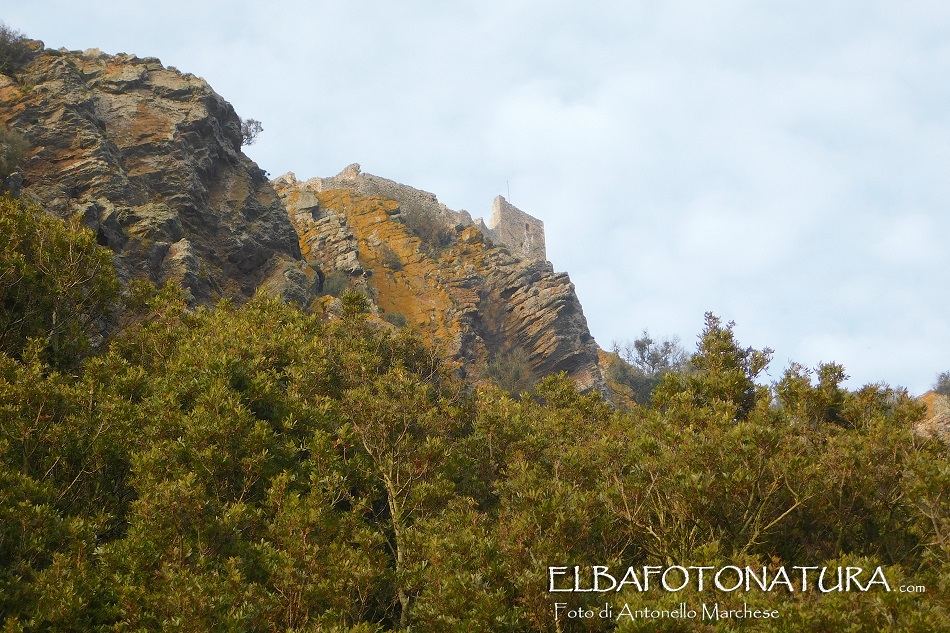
point(937, 422)
point(478, 300)
point(324, 235)
point(538, 310)
point(151, 159)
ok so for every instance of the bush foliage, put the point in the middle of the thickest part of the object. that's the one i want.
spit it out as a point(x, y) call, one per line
point(640, 366)
point(942, 385)
point(434, 234)
point(56, 284)
point(13, 149)
point(15, 51)
point(256, 468)
point(511, 371)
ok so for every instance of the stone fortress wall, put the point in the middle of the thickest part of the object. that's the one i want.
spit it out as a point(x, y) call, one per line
point(522, 233)
point(517, 230)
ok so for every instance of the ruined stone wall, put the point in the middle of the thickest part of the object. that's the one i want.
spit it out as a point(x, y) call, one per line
point(411, 200)
point(522, 233)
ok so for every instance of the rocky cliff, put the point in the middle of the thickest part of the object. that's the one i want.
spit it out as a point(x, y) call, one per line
point(150, 159)
point(937, 420)
point(438, 270)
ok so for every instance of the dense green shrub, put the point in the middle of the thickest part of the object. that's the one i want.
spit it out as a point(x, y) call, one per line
point(335, 283)
point(511, 371)
point(56, 284)
point(256, 468)
point(389, 258)
point(395, 318)
point(721, 383)
point(13, 148)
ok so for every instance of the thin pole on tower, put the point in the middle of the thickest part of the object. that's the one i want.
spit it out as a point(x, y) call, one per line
point(509, 190)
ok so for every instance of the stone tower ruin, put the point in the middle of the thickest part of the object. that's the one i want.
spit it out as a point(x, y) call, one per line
point(517, 230)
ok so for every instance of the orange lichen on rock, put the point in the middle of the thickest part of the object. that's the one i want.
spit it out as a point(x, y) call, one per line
point(937, 419)
point(401, 274)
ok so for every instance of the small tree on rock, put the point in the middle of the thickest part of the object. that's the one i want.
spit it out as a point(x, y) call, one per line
point(15, 50)
point(645, 361)
point(250, 128)
point(13, 149)
point(942, 386)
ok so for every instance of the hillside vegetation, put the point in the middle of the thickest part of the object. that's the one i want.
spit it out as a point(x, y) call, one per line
point(256, 468)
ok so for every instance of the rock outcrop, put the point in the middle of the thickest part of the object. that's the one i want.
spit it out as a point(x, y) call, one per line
point(481, 301)
point(151, 159)
point(937, 422)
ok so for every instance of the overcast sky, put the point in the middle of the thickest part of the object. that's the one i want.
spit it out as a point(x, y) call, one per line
point(783, 164)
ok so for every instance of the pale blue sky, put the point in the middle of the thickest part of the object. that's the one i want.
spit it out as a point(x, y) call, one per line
point(783, 164)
